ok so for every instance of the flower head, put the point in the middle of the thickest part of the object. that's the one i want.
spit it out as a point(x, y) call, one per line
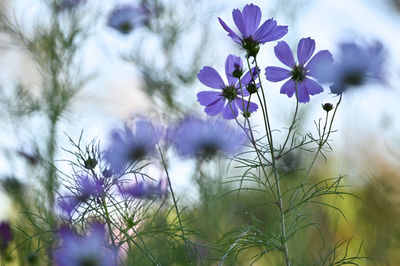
point(251, 35)
point(89, 187)
point(68, 204)
point(228, 97)
point(69, 4)
point(126, 17)
point(300, 72)
point(76, 250)
point(5, 235)
point(143, 189)
point(355, 66)
point(194, 137)
point(129, 146)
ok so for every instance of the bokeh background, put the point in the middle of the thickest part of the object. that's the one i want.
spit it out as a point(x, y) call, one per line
point(152, 71)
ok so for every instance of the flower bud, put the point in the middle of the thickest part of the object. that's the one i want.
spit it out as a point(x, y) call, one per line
point(246, 114)
point(238, 72)
point(90, 163)
point(251, 88)
point(327, 107)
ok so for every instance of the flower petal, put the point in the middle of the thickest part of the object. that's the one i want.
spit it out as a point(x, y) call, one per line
point(239, 22)
point(312, 86)
point(227, 112)
point(275, 34)
point(276, 74)
point(247, 77)
point(252, 17)
point(210, 77)
point(231, 33)
point(265, 29)
point(302, 93)
point(320, 65)
point(230, 62)
point(245, 92)
point(208, 97)
point(216, 107)
point(305, 49)
point(249, 106)
point(288, 88)
point(284, 54)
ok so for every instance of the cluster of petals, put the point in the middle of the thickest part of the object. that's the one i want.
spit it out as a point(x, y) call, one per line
point(91, 249)
point(227, 98)
point(125, 18)
point(143, 189)
point(128, 146)
point(302, 76)
point(5, 235)
point(356, 65)
point(194, 137)
point(248, 22)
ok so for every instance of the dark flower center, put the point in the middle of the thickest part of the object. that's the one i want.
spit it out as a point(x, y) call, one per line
point(298, 73)
point(88, 261)
point(125, 27)
point(251, 46)
point(138, 153)
point(229, 93)
point(208, 150)
point(353, 78)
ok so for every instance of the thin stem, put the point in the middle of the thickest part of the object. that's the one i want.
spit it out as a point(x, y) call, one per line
point(175, 204)
point(292, 125)
point(252, 140)
point(263, 106)
point(277, 183)
point(108, 222)
point(323, 140)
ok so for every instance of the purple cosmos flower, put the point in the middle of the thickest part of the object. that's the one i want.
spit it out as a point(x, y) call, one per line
point(130, 146)
point(228, 98)
point(194, 137)
point(144, 189)
point(126, 17)
point(89, 187)
point(68, 5)
point(93, 249)
point(68, 204)
point(252, 35)
point(356, 65)
point(300, 72)
point(5, 235)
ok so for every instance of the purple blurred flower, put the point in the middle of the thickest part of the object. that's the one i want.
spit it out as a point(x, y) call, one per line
point(91, 250)
point(68, 204)
point(5, 235)
point(144, 189)
point(299, 73)
point(70, 4)
point(228, 98)
point(128, 146)
point(88, 186)
point(126, 17)
point(195, 137)
point(356, 65)
point(252, 35)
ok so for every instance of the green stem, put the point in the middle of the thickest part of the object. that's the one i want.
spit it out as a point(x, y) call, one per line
point(276, 177)
point(292, 125)
point(175, 204)
point(323, 140)
point(108, 222)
